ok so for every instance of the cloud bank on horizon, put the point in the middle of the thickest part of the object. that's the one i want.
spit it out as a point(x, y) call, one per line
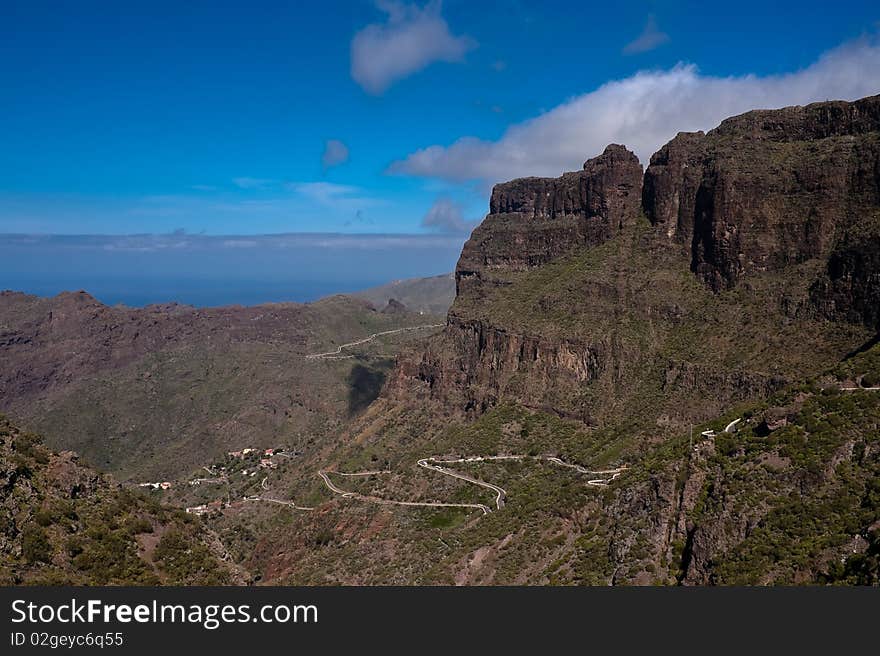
point(643, 112)
point(412, 38)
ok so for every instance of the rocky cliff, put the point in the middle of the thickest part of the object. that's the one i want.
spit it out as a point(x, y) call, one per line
point(762, 235)
point(531, 221)
point(625, 327)
point(772, 189)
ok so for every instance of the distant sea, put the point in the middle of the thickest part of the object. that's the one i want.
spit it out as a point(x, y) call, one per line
point(200, 270)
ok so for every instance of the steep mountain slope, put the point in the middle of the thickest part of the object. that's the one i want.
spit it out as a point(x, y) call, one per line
point(792, 497)
point(659, 378)
point(63, 523)
point(154, 392)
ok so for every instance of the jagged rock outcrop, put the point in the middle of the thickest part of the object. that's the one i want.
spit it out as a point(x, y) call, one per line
point(488, 362)
point(534, 220)
point(849, 290)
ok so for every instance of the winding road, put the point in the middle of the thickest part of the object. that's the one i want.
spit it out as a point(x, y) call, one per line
point(337, 354)
point(434, 463)
point(500, 493)
point(390, 502)
point(289, 504)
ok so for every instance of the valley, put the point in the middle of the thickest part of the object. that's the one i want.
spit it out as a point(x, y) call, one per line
point(663, 375)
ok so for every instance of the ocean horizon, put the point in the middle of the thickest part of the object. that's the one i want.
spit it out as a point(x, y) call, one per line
point(208, 271)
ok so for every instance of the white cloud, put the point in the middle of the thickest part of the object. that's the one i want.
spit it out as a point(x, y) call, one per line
point(447, 216)
point(240, 243)
point(412, 38)
point(650, 38)
point(323, 191)
point(252, 183)
point(346, 199)
point(644, 111)
point(335, 153)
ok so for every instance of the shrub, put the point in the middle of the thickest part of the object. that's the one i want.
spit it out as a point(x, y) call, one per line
point(136, 525)
point(44, 517)
point(73, 546)
point(35, 545)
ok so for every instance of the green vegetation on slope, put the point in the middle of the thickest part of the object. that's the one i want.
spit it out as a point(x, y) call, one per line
point(63, 524)
point(795, 504)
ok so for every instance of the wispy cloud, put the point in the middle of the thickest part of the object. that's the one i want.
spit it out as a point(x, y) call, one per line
point(323, 191)
point(650, 38)
point(643, 111)
point(412, 38)
point(335, 153)
point(253, 183)
point(447, 216)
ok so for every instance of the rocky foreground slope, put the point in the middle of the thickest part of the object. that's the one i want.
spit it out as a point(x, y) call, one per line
point(63, 523)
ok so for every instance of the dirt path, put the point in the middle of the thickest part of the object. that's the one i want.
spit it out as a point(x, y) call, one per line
point(337, 354)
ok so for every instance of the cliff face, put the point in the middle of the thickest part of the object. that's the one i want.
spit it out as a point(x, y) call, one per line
point(648, 329)
point(532, 221)
point(567, 299)
point(771, 189)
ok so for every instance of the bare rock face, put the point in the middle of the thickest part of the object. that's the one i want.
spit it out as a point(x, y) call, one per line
point(534, 220)
point(474, 363)
point(849, 290)
point(769, 190)
point(782, 206)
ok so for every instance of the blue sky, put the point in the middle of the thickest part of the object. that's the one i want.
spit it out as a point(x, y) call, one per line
point(149, 117)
